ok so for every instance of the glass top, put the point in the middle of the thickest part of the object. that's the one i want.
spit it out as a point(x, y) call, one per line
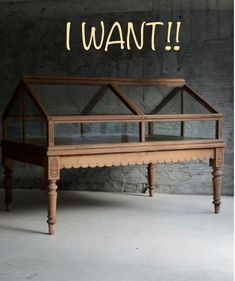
point(79, 100)
point(27, 114)
point(58, 100)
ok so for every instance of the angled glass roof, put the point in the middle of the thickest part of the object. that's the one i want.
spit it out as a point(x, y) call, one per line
point(64, 96)
point(79, 100)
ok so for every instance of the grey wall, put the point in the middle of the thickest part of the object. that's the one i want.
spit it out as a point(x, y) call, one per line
point(32, 42)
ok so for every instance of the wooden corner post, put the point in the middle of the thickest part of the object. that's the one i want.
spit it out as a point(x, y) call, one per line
point(217, 164)
point(151, 178)
point(8, 166)
point(52, 175)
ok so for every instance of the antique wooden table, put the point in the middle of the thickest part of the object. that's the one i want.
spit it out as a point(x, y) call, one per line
point(30, 132)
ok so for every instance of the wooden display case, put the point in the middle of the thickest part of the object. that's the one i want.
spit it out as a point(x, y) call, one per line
point(64, 122)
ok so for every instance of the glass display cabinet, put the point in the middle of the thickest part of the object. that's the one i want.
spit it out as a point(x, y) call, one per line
point(64, 122)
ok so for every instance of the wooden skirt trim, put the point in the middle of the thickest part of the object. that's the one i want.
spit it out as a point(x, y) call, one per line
point(123, 159)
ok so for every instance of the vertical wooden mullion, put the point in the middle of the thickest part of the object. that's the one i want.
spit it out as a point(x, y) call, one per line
point(182, 112)
point(142, 131)
point(81, 129)
point(219, 129)
point(4, 129)
point(150, 128)
point(50, 133)
point(23, 117)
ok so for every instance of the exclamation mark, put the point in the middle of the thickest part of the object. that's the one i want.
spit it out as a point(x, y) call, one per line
point(176, 47)
point(168, 48)
point(68, 27)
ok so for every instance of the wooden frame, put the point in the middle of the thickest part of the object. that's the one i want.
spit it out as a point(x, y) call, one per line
point(54, 157)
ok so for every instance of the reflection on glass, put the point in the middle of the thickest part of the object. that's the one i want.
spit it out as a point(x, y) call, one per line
point(86, 133)
point(80, 100)
point(13, 123)
point(35, 123)
point(178, 130)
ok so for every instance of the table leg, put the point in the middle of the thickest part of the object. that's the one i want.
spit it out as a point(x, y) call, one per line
point(216, 165)
point(52, 200)
point(8, 165)
point(217, 188)
point(151, 175)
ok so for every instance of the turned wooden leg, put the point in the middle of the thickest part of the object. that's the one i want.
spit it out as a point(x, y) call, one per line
point(151, 175)
point(52, 198)
point(217, 188)
point(8, 185)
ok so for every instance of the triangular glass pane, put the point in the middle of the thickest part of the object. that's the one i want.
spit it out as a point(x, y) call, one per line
point(110, 104)
point(173, 106)
point(183, 103)
point(16, 107)
point(192, 106)
point(79, 100)
point(14, 129)
point(147, 98)
point(164, 100)
point(35, 123)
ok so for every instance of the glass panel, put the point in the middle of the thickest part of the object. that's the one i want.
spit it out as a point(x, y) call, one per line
point(147, 98)
point(177, 130)
point(197, 129)
point(183, 103)
point(88, 133)
point(172, 107)
point(150, 99)
point(35, 123)
point(193, 106)
point(13, 122)
point(165, 128)
point(14, 129)
point(79, 100)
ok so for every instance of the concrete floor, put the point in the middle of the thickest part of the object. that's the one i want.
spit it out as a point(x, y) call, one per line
point(108, 236)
